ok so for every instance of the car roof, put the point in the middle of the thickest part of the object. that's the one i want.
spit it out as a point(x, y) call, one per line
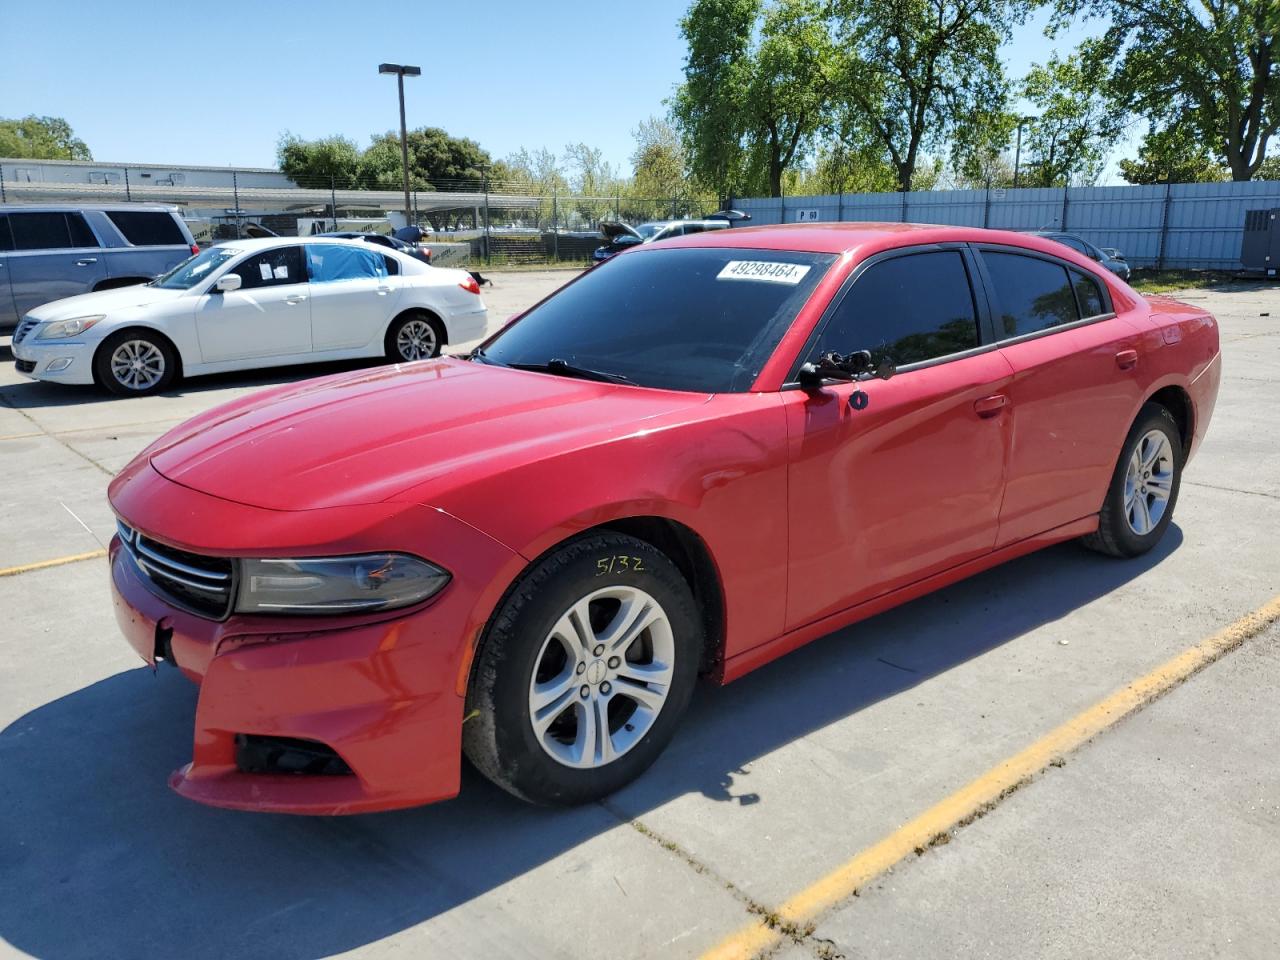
point(73, 207)
point(857, 238)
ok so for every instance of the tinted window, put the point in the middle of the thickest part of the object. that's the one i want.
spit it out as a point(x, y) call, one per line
point(6, 238)
point(329, 263)
point(81, 235)
point(272, 268)
point(393, 265)
point(1031, 294)
point(40, 231)
point(693, 228)
point(1088, 295)
point(698, 319)
point(148, 228)
point(1073, 243)
point(909, 309)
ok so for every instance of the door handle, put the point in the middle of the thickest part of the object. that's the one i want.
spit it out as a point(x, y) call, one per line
point(293, 300)
point(1127, 359)
point(86, 261)
point(383, 291)
point(989, 407)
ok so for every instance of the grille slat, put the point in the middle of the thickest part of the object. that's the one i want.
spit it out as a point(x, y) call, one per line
point(203, 585)
point(24, 328)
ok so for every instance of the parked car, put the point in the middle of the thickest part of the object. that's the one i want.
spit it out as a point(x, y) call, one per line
point(622, 236)
point(419, 251)
point(689, 460)
point(1112, 252)
point(51, 252)
point(1116, 265)
point(252, 303)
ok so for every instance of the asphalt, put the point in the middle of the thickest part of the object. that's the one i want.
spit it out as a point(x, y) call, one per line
point(1156, 839)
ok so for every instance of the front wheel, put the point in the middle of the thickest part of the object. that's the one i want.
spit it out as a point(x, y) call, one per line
point(584, 672)
point(1138, 507)
point(135, 363)
point(414, 336)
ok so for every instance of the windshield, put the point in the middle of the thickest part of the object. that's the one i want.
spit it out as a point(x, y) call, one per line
point(647, 230)
point(692, 318)
point(194, 269)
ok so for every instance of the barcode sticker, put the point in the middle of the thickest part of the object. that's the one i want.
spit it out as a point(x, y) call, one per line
point(768, 271)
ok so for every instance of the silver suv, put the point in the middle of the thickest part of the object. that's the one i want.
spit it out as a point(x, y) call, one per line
point(55, 251)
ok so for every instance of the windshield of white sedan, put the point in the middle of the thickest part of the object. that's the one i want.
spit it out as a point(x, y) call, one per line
point(696, 319)
point(195, 269)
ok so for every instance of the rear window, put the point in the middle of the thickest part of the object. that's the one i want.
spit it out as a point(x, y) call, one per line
point(1088, 295)
point(697, 319)
point(50, 231)
point(148, 228)
point(1032, 294)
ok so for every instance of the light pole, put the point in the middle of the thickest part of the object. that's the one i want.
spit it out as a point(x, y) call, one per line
point(401, 71)
point(1017, 153)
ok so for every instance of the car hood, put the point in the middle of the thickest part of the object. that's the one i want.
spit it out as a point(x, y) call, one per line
point(364, 437)
point(613, 229)
point(105, 301)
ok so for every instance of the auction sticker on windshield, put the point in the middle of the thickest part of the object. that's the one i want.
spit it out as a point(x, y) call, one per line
point(791, 273)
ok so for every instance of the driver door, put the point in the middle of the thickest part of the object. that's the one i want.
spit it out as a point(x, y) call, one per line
point(269, 316)
point(894, 480)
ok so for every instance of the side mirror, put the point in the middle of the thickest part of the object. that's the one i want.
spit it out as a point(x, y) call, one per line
point(227, 283)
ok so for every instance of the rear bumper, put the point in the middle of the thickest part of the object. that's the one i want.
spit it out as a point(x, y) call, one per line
point(1204, 397)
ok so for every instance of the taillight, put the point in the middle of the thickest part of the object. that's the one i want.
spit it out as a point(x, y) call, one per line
point(195, 248)
point(470, 286)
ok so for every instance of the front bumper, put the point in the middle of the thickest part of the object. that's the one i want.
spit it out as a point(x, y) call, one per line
point(386, 695)
point(72, 361)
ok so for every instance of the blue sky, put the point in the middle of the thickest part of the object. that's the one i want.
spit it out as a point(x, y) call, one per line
point(218, 83)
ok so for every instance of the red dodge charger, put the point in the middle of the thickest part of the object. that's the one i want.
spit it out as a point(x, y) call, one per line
point(688, 461)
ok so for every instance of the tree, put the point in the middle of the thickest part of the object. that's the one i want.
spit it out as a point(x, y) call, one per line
point(41, 138)
point(1077, 123)
point(1269, 169)
point(1170, 156)
point(539, 171)
point(979, 151)
point(911, 73)
point(658, 161)
point(1205, 68)
point(316, 163)
point(592, 175)
point(438, 160)
point(755, 90)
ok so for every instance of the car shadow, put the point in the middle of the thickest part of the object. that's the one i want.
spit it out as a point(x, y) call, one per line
point(97, 858)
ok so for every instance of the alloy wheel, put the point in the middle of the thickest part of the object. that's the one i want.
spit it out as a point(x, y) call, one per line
point(1148, 482)
point(137, 364)
point(416, 340)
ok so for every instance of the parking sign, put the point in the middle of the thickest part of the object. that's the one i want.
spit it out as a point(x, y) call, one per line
point(804, 216)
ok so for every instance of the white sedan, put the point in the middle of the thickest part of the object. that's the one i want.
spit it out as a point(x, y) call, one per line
point(252, 303)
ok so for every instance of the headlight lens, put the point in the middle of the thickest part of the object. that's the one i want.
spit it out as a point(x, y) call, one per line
point(360, 584)
point(69, 328)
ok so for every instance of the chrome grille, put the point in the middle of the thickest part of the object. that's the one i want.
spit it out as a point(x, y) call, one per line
point(25, 327)
point(203, 585)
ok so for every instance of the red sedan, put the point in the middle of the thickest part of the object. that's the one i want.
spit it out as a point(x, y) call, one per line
point(689, 461)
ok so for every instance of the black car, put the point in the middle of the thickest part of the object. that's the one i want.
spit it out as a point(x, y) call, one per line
point(415, 250)
point(1116, 265)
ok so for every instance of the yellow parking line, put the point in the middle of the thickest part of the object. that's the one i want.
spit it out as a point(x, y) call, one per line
point(974, 799)
point(43, 564)
point(21, 436)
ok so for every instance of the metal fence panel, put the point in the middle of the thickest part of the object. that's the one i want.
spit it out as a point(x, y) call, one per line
point(1194, 225)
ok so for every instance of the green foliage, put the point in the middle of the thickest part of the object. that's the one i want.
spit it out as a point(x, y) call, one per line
point(755, 90)
point(41, 138)
point(1206, 69)
point(1067, 144)
point(913, 74)
point(1269, 169)
point(538, 171)
point(312, 163)
point(1171, 156)
point(658, 162)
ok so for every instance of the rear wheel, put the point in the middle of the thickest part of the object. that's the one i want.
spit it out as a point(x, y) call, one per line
point(1138, 507)
point(414, 336)
point(134, 363)
point(584, 672)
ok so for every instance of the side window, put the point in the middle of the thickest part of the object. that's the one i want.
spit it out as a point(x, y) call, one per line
point(909, 309)
point(1031, 294)
point(6, 238)
point(1088, 295)
point(693, 228)
point(1073, 243)
point(392, 264)
point(272, 268)
point(81, 235)
point(330, 263)
point(148, 228)
point(40, 231)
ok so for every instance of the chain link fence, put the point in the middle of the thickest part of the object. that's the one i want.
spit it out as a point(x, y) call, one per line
point(466, 222)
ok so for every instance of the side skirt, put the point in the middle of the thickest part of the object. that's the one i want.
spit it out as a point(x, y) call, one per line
point(743, 663)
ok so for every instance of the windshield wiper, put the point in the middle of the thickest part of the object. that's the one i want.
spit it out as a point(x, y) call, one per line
point(563, 368)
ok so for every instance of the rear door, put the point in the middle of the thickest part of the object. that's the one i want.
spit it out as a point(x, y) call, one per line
point(155, 240)
point(1074, 387)
point(353, 296)
point(269, 316)
point(8, 313)
point(893, 480)
point(55, 255)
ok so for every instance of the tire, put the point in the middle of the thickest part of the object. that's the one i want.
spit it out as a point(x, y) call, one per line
point(416, 335)
point(115, 365)
point(1138, 507)
point(525, 662)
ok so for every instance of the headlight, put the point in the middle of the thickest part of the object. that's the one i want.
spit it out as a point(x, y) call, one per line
point(370, 582)
point(69, 328)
